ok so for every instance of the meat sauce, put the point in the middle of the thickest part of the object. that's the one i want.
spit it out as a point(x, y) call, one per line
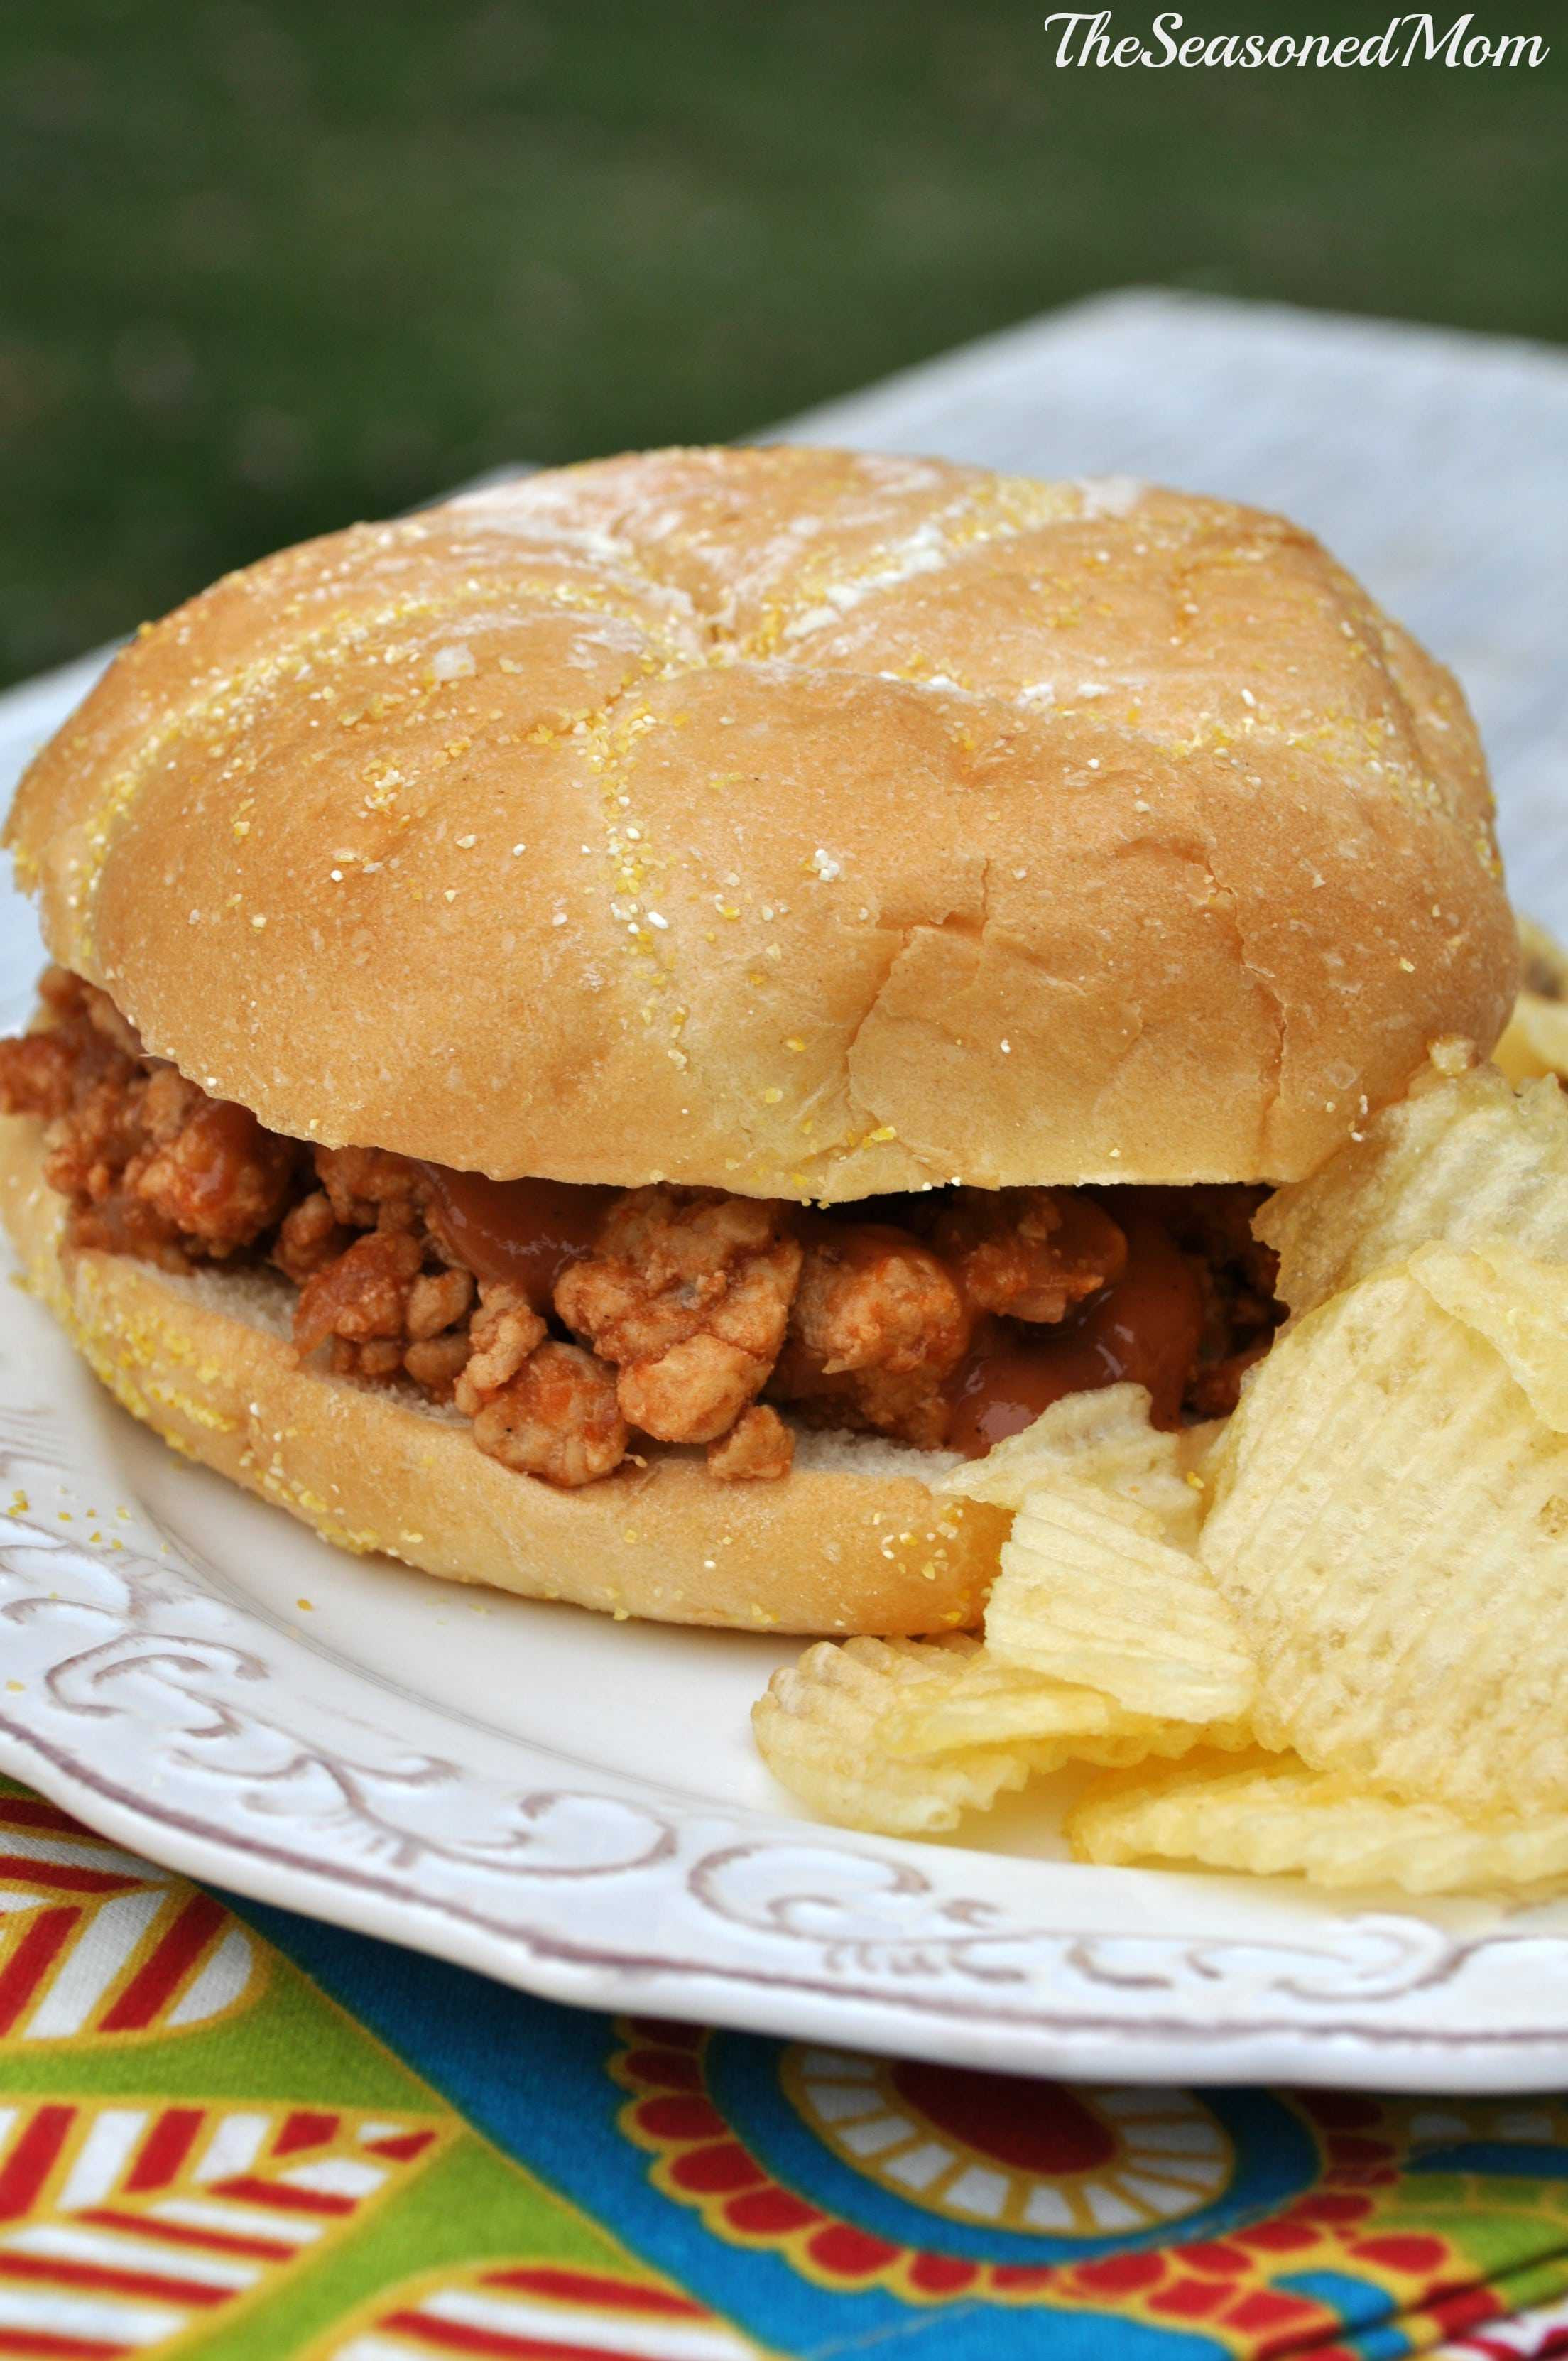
point(525, 1231)
point(221, 1139)
point(1143, 1326)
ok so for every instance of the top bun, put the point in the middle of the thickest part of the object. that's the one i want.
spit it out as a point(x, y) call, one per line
point(791, 821)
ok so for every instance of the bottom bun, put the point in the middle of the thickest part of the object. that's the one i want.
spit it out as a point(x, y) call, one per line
point(851, 1540)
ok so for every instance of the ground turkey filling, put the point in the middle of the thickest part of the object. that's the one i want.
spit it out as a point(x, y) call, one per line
point(568, 1322)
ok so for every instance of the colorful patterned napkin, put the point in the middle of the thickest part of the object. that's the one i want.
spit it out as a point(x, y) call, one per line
point(231, 2132)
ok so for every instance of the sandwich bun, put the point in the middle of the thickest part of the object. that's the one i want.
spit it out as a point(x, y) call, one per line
point(790, 822)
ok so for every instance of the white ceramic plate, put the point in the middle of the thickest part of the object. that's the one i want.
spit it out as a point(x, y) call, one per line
point(572, 1804)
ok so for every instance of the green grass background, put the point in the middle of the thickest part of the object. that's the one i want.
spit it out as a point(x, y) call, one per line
point(269, 265)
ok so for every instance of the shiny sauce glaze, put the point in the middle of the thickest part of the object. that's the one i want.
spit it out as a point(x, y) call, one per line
point(220, 1140)
point(1146, 1327)
point(522, 1232)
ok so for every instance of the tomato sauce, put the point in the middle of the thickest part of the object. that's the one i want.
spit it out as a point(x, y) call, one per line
point(1145, 1327)
point(525, 1232)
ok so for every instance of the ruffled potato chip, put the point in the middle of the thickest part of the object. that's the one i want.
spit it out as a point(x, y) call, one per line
point(1104, 1440)
point(1519, 1305)
point(902, 1736)
point(1459, 1160)
point(1390, 1524)
point(1536, 1041)
point(995, 1704)
point(1273, 1816)
point(819, 1729)
point(1093, 1592)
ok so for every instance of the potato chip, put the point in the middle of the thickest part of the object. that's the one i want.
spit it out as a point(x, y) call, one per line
point(1458, 1161)
point(1104, 1440)
point(1273, 1816)
point(1519, 1305)
point(989, 1703)
point(1545, 961)
point(903, 1735)
point(1092, 1592)
point(819, 1729)
point(1535, 1041)
point(1390, 1522)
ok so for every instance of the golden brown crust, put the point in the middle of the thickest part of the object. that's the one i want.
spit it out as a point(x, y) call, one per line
point(790, 822)
point(824, 1550)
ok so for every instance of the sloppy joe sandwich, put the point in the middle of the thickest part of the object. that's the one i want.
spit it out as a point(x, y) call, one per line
point(605, 1036)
